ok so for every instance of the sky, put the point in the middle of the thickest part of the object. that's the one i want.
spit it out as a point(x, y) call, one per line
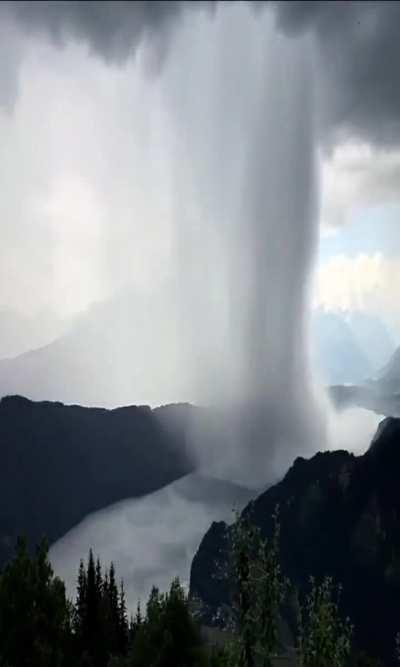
point(86, 207)
point(74, 131)
point(358, 264)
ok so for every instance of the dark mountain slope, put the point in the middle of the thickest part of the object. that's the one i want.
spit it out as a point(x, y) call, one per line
point(340, 516)
point(59, 463)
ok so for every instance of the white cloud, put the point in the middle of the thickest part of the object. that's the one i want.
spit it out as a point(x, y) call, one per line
point(365, 283)
point(355, 176)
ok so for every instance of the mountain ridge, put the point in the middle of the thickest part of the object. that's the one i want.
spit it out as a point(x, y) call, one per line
point(110, 355)
point(61, 462)
point(340, 516)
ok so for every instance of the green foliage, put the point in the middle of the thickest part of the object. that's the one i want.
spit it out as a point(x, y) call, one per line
point(39, 627)
point(324, 638)
point(100, 620)
point(260, 589)
point(167, 636)
point(34, 613)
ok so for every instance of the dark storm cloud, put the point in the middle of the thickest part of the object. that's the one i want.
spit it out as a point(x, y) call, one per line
point(112, 30)
point(359, 50)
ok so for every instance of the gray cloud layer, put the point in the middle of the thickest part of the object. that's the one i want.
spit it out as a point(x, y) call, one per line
point(359, 53)
point(358, 48)
point(112, 30)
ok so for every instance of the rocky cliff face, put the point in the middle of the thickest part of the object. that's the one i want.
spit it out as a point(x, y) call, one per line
point(340, 516)
point(59, 463)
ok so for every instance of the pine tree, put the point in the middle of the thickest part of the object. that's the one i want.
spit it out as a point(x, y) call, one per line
point(99, 580)
point(52, 622)
point(92, 602)
point(167, 636)
point(113, 611)
point(181, 642)
point(34, 614)
point(91, 622)
point(80, 616)
point(138, 617)
point(123, 628)
point(135, 623)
